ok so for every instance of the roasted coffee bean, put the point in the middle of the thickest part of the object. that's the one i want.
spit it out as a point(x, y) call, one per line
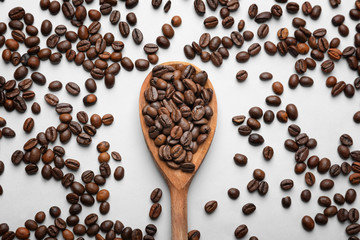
point(163, 42)
point(324, 165)
point(330, 211)
point(350, 196)
point(273, 100)
point(248, 208)
point(255, 139)
point(345, 168)
point(353, 229)
point(233, 193)
point(119, 173)
point(72, 88)
point(263, 17)
point(240, 159)
point(255, 112)
point(155, 211)
point(305, 195)
point(237, 120)
point(263, 188)
point(265, 76)
point(254, 49)
point(335, 170)
point(326, 184)
point(241, 231)
point(353, 215)
point(278, 88)
point(228, 22)
point(307, 223)
point(354, 178)
point(28, 125)
point(339, 199)
point(327, 66)
point(270, 48)
point(269, 116)
point(321, 219)
point(338, 88)
point(210, 206)
point(253, 185)
point(253, 123)
point(241, 75)
point(237, 38)
point(262, 31)
point(268, 153)
point(286, 202)
point(286, 184)
point(253, 10)
point(211, 22)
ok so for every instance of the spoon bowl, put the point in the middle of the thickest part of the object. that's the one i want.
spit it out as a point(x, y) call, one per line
point(177, 180)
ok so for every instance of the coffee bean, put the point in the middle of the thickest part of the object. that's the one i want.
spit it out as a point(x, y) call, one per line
point(350, 196)
point(307, 223)
point(282, 116)
point(263, 17)
point(211, 22)
point(237, 120)
point(155, 211)
point(28, 125)
point(330, 211)
point(253, 185)
point(353, 215)
point(72, 88)
point(253, 123)
point(253, 10)
point(255, 139)
point(210, 206)
point(241, 231)
point(321, 219)
point(306, 196)
point(194, 235)
point(72, 164)
point(263, 31)
point(292, 146)
point(269, 116)
point(339, 199)
point(241, 75)
point(233, 193)
point(273, 100)
point(240, 159)
point(326, 184)
point(167, 6)
point(286, 202)
point(277, 88)
point(83, 139)
point(199, 7)
point(353, 229)
point(254, 49)
point(248, 208)
point(141, 64)
point(286, 184)
point(189, 52)
point(268, 153)
point(309, 178)
point(324, 165)
point(335, 170)
point(228, 22)
point(119, 173)
point(263, 188)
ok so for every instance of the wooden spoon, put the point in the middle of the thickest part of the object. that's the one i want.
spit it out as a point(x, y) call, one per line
point(178, 181)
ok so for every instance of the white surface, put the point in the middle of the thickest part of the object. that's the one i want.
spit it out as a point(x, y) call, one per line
point(320, 115)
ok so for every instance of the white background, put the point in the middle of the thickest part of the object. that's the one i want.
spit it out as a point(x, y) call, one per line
point(320, 116)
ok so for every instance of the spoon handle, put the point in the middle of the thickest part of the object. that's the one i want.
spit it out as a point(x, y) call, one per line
point(179, 213)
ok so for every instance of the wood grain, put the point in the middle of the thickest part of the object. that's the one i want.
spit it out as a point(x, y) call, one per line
point(178, 181)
